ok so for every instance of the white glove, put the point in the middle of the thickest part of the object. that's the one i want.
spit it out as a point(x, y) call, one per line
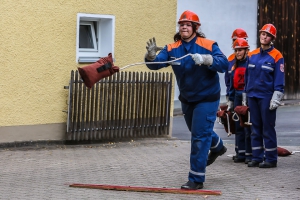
point(152, 49)
point(230, 106)
point(204, 59)
point(275, 101)
point(244, 101)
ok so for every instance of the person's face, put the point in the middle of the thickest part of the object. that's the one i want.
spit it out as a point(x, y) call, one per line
point(185, 29)
point(240, 53)
point(265, 38)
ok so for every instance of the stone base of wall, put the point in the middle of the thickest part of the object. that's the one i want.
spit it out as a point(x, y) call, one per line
point(43, 135)
point(44, 132)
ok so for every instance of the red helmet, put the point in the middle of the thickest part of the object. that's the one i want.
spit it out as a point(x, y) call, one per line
point(269, 28)
point(189, 16)
point(240, 43)
point(239, 33)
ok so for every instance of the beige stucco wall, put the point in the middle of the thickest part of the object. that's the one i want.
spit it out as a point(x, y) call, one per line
point(38, 51)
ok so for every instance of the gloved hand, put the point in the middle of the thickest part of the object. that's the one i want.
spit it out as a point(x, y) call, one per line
point(244, 100)
point(152, 49)
point(275, 101)
point(204, 59)
point(230, 105)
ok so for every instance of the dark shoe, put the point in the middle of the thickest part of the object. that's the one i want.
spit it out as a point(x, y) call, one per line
point(233, 157)
point(267, 165)
point(253, 163)
point(247, 161)
point(212, 156)
point(239, 160)
point(192, 186)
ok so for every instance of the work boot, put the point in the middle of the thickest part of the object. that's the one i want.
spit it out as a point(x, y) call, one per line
point(190, 185)
point(267, 165)
point(248, 160)
point(253, 163)
point(239, 160)
point(212, 156)
point(235, 156)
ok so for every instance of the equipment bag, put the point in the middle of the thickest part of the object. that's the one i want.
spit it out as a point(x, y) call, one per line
point(225, 118)
point(283, 152)
point(243, 115)
point(94, 72)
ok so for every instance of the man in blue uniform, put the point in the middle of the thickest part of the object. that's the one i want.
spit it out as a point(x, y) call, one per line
point(198, 82)
point(264, 88)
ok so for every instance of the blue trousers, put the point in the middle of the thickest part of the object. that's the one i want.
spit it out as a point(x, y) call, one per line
point(200, 119)
point(263, 137)
point(242, 134)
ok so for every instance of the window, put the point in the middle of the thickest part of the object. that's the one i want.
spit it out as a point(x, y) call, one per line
point(95, 37)
point(87, 37)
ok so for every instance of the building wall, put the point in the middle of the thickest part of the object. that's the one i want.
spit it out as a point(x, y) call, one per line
point(284, 16)
point(38, 41)
point(219, 19)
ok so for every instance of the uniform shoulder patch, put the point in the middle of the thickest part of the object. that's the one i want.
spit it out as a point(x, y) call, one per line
point(282, 67)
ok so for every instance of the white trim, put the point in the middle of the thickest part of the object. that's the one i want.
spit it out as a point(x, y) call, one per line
point(105, 30)
point(216, 144)
point(273, 149)
point(197, 173)
point(256, 148)
point(267, 67)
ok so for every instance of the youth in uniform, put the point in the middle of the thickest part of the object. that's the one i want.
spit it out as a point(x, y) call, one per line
point(235, 94)
point(198, 82)
point(265, 89)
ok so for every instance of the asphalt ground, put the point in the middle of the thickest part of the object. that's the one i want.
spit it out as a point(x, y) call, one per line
point(287, 126)
point(45, 172)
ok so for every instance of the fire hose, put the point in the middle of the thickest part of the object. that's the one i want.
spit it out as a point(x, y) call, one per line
point(146, 189)
point(104, 67)
point(150, 63)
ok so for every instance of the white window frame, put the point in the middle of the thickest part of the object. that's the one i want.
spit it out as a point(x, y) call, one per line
point(103, 33)
point(95, 43)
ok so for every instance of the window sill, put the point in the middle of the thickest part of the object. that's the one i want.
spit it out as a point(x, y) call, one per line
point(88, 59)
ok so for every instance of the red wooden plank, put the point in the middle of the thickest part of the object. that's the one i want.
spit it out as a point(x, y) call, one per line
point(146, 189)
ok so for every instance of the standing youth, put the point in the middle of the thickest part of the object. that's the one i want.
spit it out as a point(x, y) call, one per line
point(235, 93)
point(264, 88)
point(237, 33)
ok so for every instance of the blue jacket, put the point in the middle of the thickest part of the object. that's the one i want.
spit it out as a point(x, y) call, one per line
point(196, 83)
point(237, 79)
point(265, 73)
point(231, 60)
